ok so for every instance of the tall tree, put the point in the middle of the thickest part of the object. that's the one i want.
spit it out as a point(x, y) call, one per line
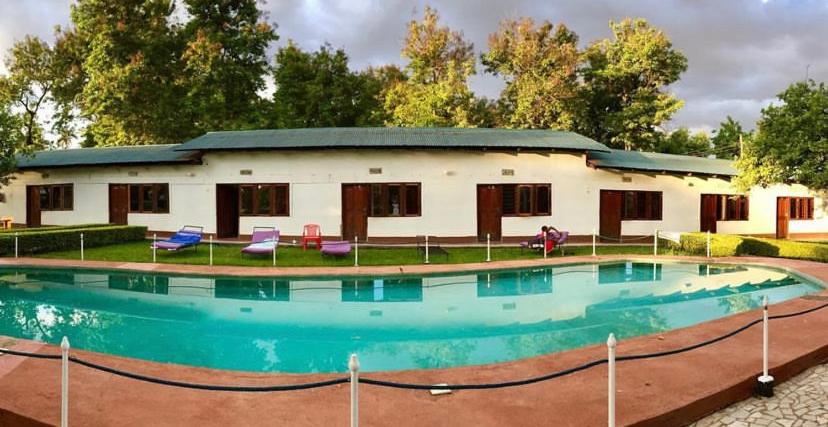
point(727, 140)
point(11, 139)
point(317, 89)
point(436, 91)
point(225, 62)
point(377, 81)
point(32, 69)
point(682, 141)
point(540, 67)
point(130, 95)
point(625, 80)
point(791, 143)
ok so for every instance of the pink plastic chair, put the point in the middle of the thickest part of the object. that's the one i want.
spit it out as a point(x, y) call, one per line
point(312, 233)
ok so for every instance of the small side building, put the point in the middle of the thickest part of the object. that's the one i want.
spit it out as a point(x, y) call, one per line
point(393, 184)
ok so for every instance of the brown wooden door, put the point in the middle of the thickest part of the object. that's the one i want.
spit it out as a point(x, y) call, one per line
point(708, 215)
point(489, 211)
point(227, 210)
point(32, 206)
point(783, 216)
point(355, 200)
point(610, 214)
point(118, 204)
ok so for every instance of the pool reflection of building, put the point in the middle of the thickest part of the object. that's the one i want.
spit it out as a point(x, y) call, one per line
point(629, 272)
point(483, 299)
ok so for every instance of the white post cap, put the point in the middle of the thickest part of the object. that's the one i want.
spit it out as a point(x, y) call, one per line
point(353, 363)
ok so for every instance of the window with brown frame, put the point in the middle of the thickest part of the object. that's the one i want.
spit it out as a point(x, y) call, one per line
point(149, 198)
point(732, 207)
point(802, 208)
point(526, 199)
point(57, 197)
point(264, 200)
point(395, 199)
point(641, 205)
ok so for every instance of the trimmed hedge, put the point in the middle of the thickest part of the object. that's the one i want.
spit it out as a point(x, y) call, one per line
point(50, 228)
point(733, 245)
point(49, 240)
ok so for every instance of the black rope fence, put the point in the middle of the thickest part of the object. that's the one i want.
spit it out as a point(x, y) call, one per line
point(403, 385)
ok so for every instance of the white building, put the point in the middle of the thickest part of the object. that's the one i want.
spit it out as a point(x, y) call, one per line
point(390, 184)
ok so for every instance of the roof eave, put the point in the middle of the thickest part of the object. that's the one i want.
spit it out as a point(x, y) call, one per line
point(77, 165)
point(662, 171)
point(400, 147)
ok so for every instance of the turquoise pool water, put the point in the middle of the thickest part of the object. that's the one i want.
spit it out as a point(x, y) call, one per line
point(313, 324)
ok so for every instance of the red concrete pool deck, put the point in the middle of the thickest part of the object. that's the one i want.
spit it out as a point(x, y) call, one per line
point(672, 390)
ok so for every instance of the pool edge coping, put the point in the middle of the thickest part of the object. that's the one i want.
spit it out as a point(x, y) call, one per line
point(402, 270)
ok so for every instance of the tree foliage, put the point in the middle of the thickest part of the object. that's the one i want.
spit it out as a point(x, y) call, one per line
point(436, 91)
point(12, 138)
point(130, 96)
point(625, 80)
point(791, 144)
point(540, 67)
point(31, 65)
point(317, 89)
point(140, 72)
point(224, 63)
point(728, 138)
point(682, 141)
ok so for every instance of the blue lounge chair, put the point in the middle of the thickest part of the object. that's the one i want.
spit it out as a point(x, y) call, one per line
point(188, 236)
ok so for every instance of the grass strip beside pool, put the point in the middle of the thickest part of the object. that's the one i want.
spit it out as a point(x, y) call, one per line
point(288, 256)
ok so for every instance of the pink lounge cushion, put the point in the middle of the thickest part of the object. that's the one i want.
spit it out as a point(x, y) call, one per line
point(336, 248)
point(263, 247)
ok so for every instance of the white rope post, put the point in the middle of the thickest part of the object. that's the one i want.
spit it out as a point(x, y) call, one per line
point(764, 386)
point(611, 343)
point(154, 248)
point(356, 251)
point(655, 243)
point(544, 244)
point(16, 246)
point(211, 249)
point(81, 236)
point(64, 382)
point(275, 243)
point(593, 242)
point(353, 366)
point(426, 249)
point(488, 247)
point(708, 243)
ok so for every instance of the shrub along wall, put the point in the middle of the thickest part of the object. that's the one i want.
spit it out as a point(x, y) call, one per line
point(50, 228)
point(47, 240)
point(732, 245)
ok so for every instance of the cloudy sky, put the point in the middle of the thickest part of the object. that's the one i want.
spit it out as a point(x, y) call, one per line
point(741, 53)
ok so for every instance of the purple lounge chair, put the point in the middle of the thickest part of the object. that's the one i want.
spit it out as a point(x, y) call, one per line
point(557, 238)
point(264, 240)
point(338, 248)
point(188, 236)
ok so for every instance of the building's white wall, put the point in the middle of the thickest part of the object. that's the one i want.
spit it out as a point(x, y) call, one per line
point(448, 184)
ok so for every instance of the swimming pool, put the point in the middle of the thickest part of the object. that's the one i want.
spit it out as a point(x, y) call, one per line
point(397, 322)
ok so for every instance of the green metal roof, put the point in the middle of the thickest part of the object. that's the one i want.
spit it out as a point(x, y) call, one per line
point(124, 155)
point(657, 162)
point(382, 137)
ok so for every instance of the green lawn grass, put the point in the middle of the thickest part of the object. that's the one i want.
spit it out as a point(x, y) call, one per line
point(289, 256)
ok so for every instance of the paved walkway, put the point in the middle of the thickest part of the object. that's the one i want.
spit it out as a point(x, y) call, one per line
point(799, 402)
